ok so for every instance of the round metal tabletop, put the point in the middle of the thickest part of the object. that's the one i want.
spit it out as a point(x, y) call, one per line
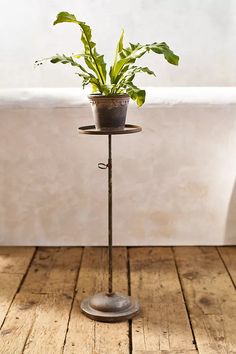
point(128, 129)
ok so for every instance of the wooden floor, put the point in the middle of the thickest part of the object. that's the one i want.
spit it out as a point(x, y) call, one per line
point(187, 296)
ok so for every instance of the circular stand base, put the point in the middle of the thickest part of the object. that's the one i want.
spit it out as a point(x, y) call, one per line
point(112, 307)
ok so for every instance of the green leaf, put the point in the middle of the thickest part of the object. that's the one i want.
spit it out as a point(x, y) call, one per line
point(94, 61)
point(66, 60)
point(129, 55)
point(122, 72)
point(90, 80)
point(136, 93)
point(163, 48)
point(120, 43)
point(138, 69)
point(126, 56)
point(119, 49)
point(87, 77)
point(127, 75)
point(65, 17)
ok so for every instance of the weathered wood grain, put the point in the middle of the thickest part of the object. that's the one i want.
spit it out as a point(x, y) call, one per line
point(35, 324)
point(194, 351)
point(84, 335)
point(14, 262)
point(163, 323)
point(53, 271)
point(210, 297)
point(38, 318)
point(228, 253)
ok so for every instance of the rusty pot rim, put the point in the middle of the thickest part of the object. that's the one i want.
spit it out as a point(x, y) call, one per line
point(100, 95)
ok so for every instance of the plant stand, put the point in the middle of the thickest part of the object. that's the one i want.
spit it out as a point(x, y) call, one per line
point(109, 306)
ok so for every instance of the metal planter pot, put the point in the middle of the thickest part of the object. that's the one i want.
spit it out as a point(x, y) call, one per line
point(109, 111)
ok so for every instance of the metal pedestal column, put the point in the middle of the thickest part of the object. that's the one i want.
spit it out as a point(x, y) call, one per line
point(109, 165)
point(109, 306)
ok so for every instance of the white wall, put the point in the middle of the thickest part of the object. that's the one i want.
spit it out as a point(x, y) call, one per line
point(183, 162)
point(174, 183)
point(203, 33)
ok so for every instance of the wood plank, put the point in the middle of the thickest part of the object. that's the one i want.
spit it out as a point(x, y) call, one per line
point(9, 286)
point(38, 318)
point(53, 271)
point(14, 262)
point(84, 335)
point(229, 256)
point(210, 297)
point(163, 324)
point(36, 323)
point(194, 351)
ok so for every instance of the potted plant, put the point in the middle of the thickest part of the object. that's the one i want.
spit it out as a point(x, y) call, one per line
point(109, 100)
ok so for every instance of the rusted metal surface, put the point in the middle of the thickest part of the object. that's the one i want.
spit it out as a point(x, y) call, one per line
point(109, 112)
point(110, 213)
point(113, 307)
point(110, 306)
point(128, 129)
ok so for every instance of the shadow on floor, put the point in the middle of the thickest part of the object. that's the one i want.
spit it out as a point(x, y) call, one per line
point(230, 226)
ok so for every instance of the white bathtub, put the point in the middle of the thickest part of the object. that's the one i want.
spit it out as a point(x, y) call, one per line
point(174, 183)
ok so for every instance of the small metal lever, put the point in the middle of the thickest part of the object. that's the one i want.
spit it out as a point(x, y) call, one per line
point(102, 166)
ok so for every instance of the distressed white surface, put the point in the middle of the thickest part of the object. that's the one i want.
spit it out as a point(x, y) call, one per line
point(77, 97)
point(202, 32)
point(174, 183)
